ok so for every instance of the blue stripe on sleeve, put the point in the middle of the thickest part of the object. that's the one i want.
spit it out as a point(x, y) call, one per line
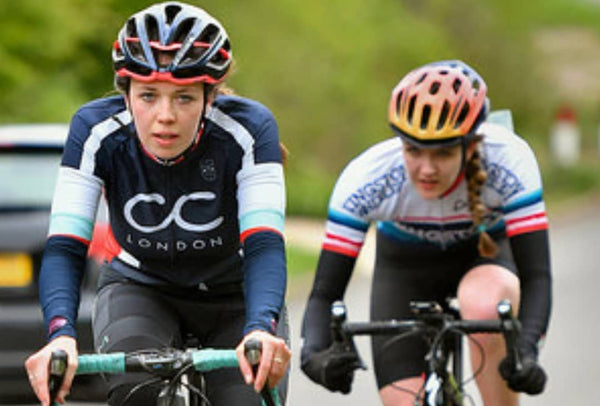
point(345, 220)
point(527, 200)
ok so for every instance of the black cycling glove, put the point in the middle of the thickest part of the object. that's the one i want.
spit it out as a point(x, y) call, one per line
point(531, 379)
point(333, 368)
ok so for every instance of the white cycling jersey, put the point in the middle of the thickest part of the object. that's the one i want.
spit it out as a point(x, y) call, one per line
point(375, 187)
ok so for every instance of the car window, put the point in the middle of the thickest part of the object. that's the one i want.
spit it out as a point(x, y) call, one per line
point(27, 179)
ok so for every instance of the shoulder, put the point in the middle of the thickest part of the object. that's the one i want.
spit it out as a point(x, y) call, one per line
point(502, 139)
point(380, 164)
point(377, 159)
point(99, 110)
point(227, 111)
point(93, 125)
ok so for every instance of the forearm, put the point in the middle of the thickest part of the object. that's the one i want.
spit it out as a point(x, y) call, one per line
point(532, 257)
point(331, 279)
point(60, 280)
point(265, 280)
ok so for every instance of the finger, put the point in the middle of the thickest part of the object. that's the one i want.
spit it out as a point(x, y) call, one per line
point(39, 383)
point(245, 367)
point(278, 369)
point(264, 366)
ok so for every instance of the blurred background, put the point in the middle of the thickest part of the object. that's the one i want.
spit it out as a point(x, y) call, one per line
point(326, 68)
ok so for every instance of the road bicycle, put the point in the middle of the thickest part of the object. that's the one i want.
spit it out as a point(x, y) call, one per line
point(443, 331)
point(175, 369)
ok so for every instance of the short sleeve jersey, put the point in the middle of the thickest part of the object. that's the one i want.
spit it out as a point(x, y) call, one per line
point(375, 187)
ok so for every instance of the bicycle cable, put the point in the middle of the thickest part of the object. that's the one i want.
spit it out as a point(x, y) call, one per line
point(388, 344)
point(138, 387)
point(177, 379)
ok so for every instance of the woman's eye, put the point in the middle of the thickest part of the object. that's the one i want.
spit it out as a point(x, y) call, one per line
point(413, 151)
point(185, 98)
point(147, 96)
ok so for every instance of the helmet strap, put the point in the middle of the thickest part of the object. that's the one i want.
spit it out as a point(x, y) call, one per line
point(464, 144)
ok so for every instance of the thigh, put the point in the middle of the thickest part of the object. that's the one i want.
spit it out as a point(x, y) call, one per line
point(218, 322)
point(394, 287)
point(227, 316)
point(130, 317)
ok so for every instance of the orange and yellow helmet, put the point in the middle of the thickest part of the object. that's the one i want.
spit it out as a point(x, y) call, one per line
point(438, 104)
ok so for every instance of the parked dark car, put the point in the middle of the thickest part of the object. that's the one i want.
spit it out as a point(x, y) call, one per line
point(29, 160)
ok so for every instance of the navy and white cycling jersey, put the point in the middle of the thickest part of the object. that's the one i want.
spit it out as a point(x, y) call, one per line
point(375, 187)
point(214, 216)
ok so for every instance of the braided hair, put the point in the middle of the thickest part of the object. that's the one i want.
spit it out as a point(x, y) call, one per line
point(476, 177)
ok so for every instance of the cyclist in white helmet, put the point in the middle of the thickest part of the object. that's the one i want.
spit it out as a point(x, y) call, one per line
point(459, 211)
point(193, 179)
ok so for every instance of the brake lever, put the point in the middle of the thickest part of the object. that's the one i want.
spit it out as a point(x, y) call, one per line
point(511, 329)
point(252, 351)
point(57, 368)
point(339, 336)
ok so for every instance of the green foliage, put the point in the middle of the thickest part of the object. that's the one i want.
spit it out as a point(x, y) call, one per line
point(300, 260)
point(325, 68)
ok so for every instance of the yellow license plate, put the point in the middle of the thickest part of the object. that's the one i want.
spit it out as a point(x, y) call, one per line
point(16, 270)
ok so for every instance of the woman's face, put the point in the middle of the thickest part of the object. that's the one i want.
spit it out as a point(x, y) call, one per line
point(433, 170)
point(166, 115)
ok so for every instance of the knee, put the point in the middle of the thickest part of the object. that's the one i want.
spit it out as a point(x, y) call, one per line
point(482, 288)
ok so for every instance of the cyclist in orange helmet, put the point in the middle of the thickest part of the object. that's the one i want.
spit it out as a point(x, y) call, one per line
point(459, 211)
point(193, 179)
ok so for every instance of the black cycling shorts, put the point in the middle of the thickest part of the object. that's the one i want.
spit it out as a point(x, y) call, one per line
point(408, 273)
point(129, 316)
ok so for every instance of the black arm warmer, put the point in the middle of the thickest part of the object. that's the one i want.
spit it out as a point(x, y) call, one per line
point(532, 257)
point(331, 279)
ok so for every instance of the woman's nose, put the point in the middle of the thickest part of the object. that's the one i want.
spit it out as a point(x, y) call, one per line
point(166, 112)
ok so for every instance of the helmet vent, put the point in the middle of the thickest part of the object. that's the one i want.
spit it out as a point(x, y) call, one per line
point(411, 108)
point(421, 79)
point(131, 29)
point(209, 34)
point(434, 88)
point(443, 115)
point(219, 58)
point(182, 30)
point(464, 112)
point(171, 11)
point(151, 28)
point(398, 102)
point(456, 85)
point(425, 117)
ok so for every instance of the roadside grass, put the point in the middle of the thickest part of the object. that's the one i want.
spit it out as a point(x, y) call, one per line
point(301, 260)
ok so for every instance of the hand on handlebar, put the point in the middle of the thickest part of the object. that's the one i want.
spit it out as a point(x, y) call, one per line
point(274, 360)
point(530, 378)
point(37, 369)
point(333, 368)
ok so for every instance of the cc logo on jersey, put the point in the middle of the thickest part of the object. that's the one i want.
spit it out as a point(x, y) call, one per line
point(175, 214)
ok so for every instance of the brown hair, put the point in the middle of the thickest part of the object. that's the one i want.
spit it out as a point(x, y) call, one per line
point(476, 177)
